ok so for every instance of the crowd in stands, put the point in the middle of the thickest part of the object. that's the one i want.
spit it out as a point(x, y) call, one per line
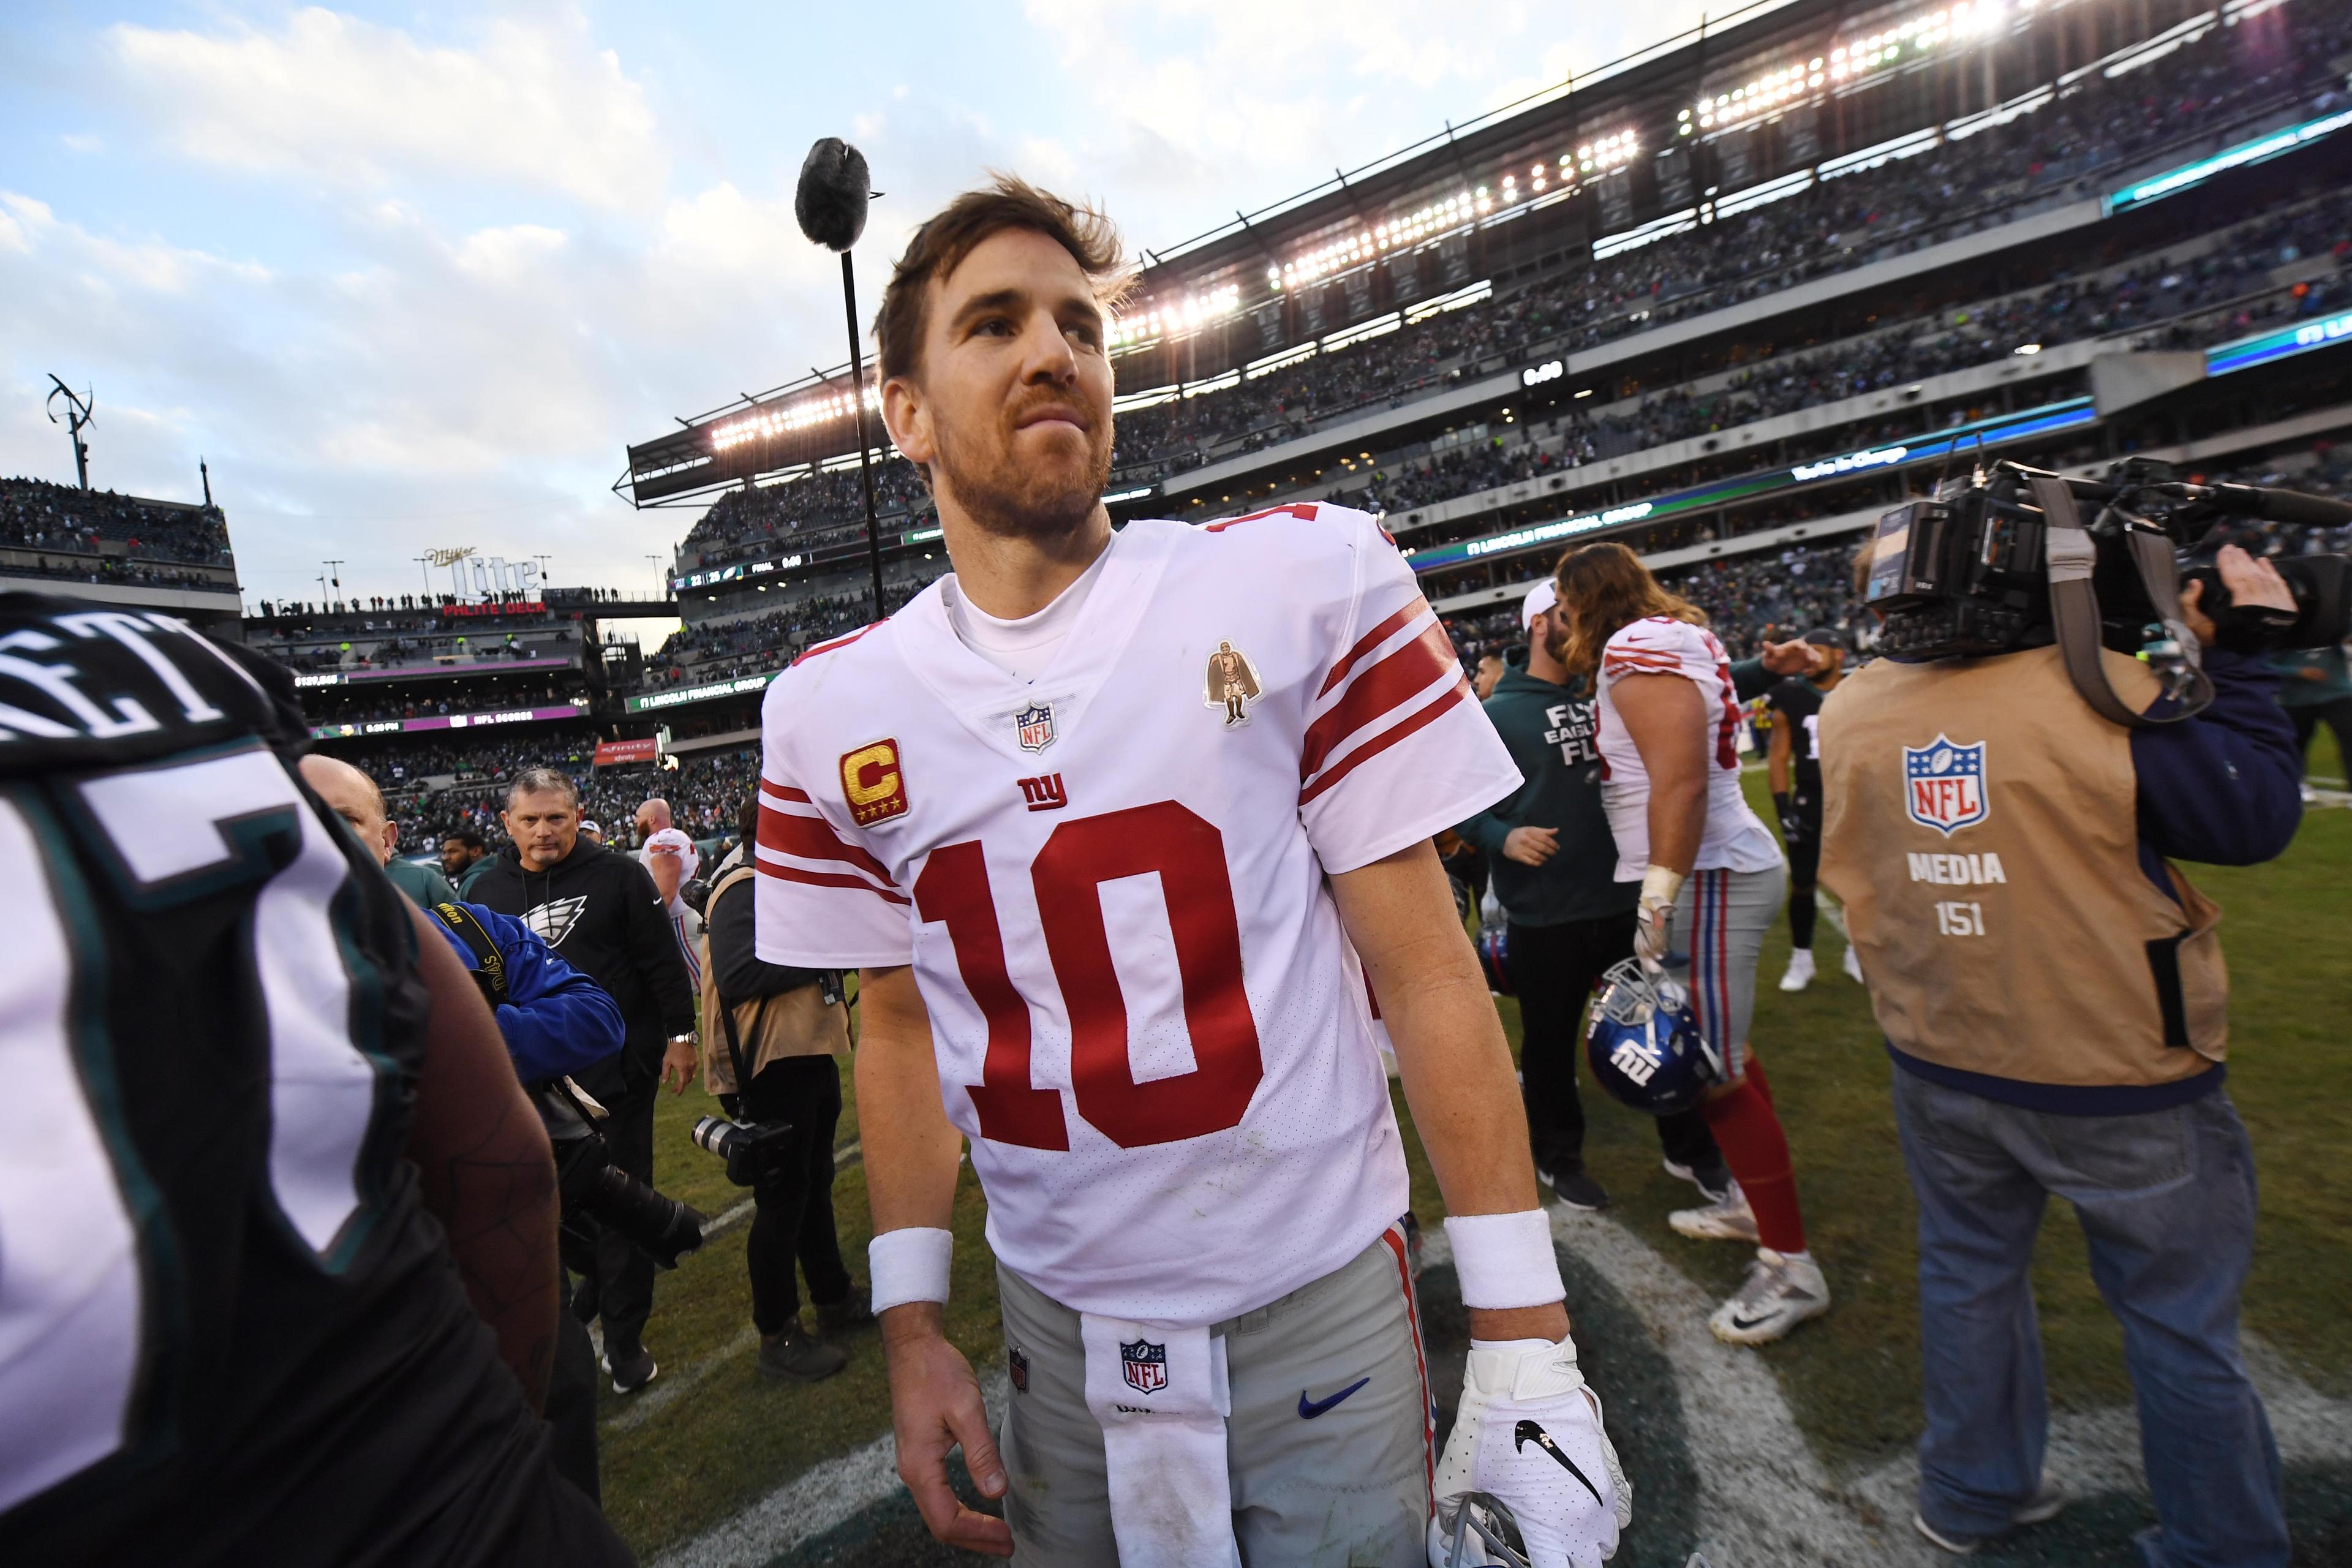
point(363, 705)
point(705, 790)
point(823, 508)
point(695, 653)
point(1832, 226)
point(398, 651)
point(1749, 600)
point(101, 536)
point(419, 607)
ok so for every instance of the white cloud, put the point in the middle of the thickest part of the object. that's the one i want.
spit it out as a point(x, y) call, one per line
point(359, 104)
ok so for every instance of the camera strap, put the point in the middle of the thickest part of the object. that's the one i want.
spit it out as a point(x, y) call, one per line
point(489, 964)
point(2071, 555)
point(734, 1044)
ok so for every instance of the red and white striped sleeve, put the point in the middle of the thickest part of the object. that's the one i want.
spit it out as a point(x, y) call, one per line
point(1397, 748)
point(1661, 646)
point(823, 900)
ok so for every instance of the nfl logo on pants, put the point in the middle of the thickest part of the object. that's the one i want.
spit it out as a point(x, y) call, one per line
point(1943, 784)
point(1145, 1363)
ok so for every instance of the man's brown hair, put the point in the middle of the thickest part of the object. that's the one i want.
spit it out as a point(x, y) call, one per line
point(1605, 588)
point(940, 246)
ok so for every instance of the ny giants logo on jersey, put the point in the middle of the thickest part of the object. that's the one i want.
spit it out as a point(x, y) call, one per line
point(1145, 1365)
point(872, 784)
point(1944, 785)
point(1045, 792)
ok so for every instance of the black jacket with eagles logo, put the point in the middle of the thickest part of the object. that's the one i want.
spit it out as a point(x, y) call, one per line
point(600, 911)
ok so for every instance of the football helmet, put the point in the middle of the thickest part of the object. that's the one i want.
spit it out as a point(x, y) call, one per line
point(1494, 957)
point(1644, 1044)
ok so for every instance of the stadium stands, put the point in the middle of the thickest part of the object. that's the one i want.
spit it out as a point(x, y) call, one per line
point(97, 536)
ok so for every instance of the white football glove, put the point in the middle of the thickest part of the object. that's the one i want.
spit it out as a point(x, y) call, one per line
point(1654, 930)
point(1528, 1431)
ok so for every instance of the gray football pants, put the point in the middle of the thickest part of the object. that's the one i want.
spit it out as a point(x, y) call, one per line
point(1328, 1443)
point(1720, 919)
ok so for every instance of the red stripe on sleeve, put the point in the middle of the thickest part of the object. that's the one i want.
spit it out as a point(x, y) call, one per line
point(829, 879)
point(1304, 510)
point(785, 792)
point(1387, 738)
point(1406, 672)
point(1371, 640)
point(812, 838)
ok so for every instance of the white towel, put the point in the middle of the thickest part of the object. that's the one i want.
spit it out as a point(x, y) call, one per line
point(1160, 1392)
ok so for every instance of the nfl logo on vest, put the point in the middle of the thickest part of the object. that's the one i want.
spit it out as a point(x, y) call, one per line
point(1943, 784)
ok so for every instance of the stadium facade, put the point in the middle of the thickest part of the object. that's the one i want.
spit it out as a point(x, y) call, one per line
point(1726, 300)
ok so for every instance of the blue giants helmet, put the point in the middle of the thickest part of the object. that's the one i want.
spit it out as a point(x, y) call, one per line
point(1494, 957)
point(1644, 1044)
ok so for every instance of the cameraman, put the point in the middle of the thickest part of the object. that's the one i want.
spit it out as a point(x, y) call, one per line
point(2053, 994)
point(790, 1026)
point(555, 1021)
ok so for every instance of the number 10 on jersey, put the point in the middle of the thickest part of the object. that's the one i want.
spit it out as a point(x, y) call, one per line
point(1188, 854)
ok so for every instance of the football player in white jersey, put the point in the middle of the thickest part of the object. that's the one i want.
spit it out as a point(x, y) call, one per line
point(1712, 878)
point(1103, 821)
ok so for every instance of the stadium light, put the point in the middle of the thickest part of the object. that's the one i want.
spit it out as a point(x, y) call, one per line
point(774, 420)
point(1179, 317)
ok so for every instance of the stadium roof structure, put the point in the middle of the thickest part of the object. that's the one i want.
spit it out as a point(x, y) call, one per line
point(1696, 126)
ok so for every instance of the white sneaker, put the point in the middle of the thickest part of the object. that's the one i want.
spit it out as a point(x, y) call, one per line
point(1852, 964)
point(1779, 1294)
point(1730, 1220)
point(1800, 969)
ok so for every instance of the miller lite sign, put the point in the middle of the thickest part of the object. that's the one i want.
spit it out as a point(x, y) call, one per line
point(1944, 785)
point(1145, 1364)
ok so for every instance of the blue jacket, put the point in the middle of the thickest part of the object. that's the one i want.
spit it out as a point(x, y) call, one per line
point(555, 1019)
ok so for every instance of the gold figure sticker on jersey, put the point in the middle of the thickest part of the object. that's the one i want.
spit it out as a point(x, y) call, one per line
point(873, 784)
point(1231, 684)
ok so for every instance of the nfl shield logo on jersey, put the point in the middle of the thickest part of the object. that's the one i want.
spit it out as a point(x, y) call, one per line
point(1944, 785)
point(1145, 1363)
point(1033, 726)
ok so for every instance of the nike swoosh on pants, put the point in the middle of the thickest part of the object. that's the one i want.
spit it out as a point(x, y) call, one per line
point(1309, 1409)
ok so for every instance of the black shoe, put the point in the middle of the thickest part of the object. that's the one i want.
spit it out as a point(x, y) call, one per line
point(853, 1310)
point(631, 1372)
point(1712, 1177)
point(800, 1356)
point(583, 1307)
point(1571, 1186)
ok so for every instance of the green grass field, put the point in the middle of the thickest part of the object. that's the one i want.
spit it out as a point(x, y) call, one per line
point(711, 1435)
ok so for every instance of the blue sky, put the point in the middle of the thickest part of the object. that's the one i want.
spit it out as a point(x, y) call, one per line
point(415, 276)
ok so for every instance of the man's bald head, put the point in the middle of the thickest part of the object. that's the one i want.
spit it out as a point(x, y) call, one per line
point(352, 795)
point(652, 817)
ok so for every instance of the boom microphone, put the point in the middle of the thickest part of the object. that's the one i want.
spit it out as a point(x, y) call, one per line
point(2273, 506)
point(830, 202)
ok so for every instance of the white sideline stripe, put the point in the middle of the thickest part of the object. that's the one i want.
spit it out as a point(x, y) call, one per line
point(811, 1503)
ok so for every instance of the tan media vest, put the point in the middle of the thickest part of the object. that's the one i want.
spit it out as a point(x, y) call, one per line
point(1981, 824)
point(799, 1023)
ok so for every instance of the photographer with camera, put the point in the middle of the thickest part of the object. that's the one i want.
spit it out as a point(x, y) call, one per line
point(789, 1027)
point(602, 913)
point(2005, 794)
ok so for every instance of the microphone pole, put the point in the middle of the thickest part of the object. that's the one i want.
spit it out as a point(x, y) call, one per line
point(857, 410)
point(830, 205)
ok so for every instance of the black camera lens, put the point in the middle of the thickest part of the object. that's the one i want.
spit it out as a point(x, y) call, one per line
point(751, 1148)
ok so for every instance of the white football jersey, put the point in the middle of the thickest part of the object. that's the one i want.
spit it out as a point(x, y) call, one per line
point(1735, 837)
point(1111, 883)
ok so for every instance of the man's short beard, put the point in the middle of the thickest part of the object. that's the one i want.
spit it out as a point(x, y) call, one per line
point(1006, 498)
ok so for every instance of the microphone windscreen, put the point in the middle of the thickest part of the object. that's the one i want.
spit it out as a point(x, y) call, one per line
point(830, 200)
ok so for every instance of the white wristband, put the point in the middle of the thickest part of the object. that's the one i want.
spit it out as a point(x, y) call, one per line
point(1661, 886)
point(1506, 1259)
point(910, 1266)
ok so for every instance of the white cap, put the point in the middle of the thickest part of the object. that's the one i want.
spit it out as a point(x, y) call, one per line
point(1540, 597)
